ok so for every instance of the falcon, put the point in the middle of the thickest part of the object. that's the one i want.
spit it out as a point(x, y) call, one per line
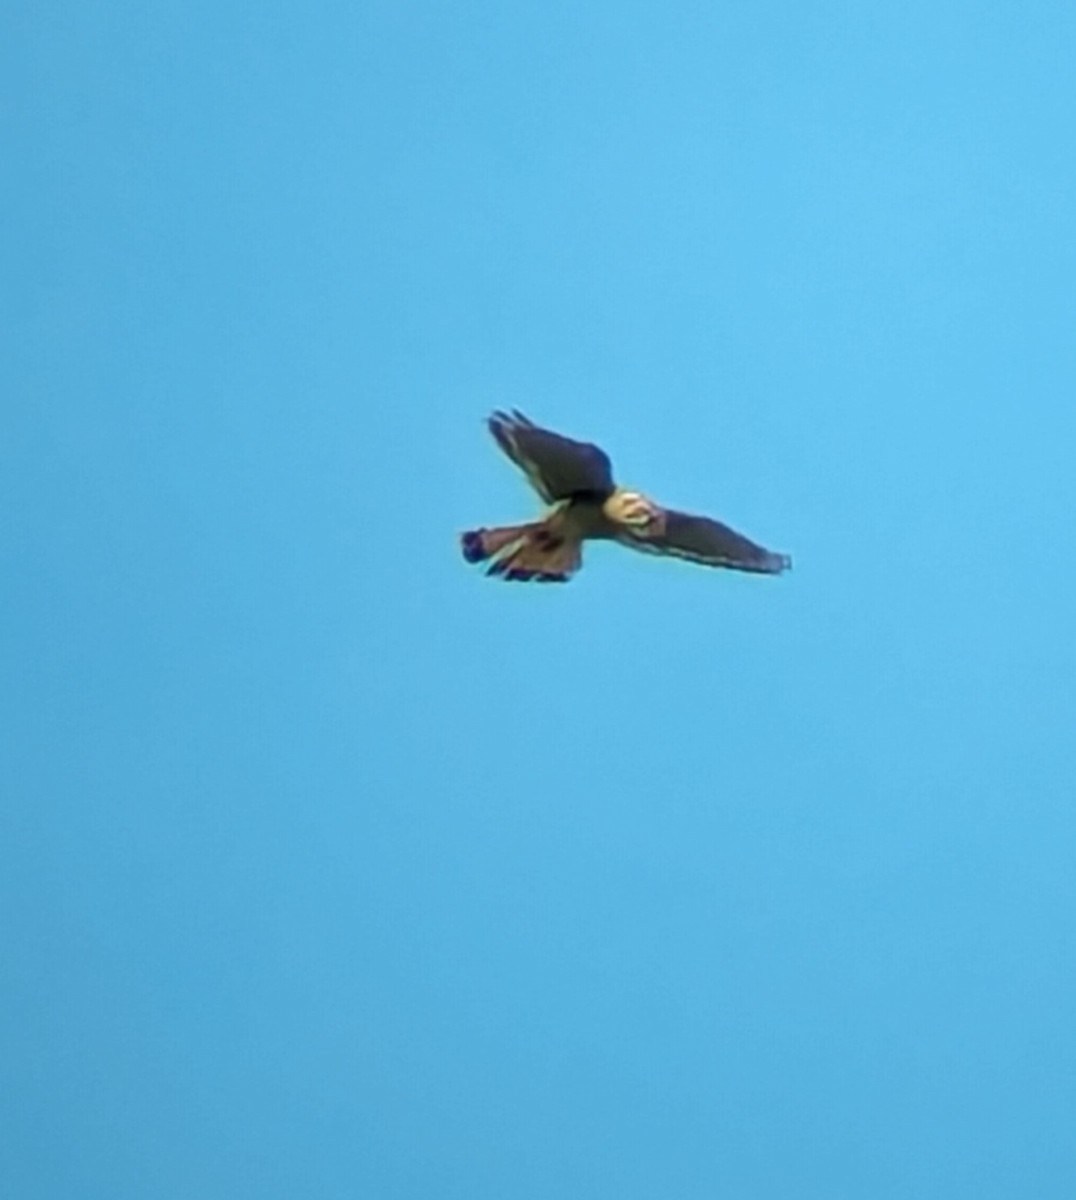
point(575, 479)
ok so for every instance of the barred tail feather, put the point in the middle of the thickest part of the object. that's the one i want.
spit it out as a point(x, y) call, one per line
point(524, 552)
point(481, 544)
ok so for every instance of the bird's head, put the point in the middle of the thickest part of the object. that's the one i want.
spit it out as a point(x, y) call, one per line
point(627, 507)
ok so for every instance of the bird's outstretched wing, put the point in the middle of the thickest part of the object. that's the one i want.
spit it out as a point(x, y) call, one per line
point(703, 540)
point(556, 466)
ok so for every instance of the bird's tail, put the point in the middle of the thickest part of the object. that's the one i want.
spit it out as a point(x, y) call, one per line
point(524, 552)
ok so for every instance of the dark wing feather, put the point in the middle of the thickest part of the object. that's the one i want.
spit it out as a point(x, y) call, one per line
point(702, 540)
point(558, 467)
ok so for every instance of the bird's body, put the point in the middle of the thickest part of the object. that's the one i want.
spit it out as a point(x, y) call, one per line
point(576, 480)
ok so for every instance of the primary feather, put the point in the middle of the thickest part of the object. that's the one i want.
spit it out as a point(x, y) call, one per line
point(557, 467)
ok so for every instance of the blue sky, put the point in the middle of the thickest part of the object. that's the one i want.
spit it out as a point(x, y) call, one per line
point(333, 869)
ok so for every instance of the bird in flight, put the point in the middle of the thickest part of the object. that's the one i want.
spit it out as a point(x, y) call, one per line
point(575, 479)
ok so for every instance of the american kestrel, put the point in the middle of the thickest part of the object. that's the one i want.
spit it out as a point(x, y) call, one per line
point(576, 480)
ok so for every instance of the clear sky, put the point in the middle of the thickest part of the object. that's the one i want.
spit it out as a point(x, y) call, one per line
point(329, 868)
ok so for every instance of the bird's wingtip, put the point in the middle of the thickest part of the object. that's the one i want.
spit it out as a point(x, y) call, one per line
point(510, 416)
